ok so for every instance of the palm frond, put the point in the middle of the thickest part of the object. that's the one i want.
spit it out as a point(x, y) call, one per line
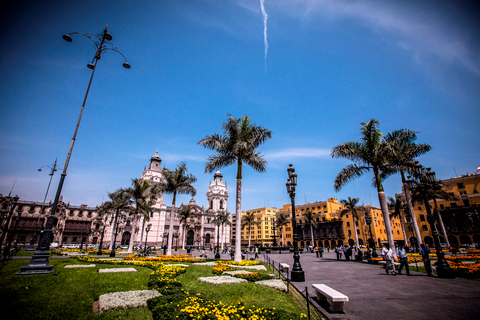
point(348, 173)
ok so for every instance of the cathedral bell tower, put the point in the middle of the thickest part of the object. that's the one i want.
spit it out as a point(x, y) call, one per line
point(217, 194)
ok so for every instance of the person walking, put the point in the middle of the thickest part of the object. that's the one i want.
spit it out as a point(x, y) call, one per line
point(256, 252)
point(338, 251)
point(389, 266)
point(402, 255)
point(426, 259)
point(316, 250)
point(320, 251)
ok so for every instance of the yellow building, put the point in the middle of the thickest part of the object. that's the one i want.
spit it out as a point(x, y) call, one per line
point(261, 230)
point(332, 229)
point(459, 218)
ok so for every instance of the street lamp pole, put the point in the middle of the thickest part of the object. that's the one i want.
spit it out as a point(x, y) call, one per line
point(33, 240)
point(149, 226)
point(424, 176)
point(297, 274)
point(39, 263)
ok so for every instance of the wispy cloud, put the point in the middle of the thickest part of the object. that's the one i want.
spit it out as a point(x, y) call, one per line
point(298, 153)
point(426, 29)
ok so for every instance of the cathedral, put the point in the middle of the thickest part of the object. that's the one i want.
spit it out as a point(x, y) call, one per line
point(199, 230)
point(82, 225)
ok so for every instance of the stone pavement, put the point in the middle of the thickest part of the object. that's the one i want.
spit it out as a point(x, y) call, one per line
point(375, 295)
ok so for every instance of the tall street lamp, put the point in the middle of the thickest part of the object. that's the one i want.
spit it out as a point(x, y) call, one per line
point(33, 240)
point(297, 274)
point(39, 263)
point(423, 177)
point(217, 223)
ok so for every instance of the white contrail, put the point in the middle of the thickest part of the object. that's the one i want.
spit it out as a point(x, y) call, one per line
point(265, 18)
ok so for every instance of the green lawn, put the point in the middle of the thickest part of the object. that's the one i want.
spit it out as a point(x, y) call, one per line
point(67, 294)
point(70, 293)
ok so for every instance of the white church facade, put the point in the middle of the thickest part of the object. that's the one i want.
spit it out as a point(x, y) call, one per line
point(199, 230)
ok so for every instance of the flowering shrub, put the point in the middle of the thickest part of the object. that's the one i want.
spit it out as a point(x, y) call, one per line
point(466, 270)
point(253, 276)
point(174, 258)
point(197, 307)
point(177, 303)
point(243, 263)
point(220, 268)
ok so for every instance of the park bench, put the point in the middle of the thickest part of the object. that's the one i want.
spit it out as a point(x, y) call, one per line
point(336, 300)
point(284, 267)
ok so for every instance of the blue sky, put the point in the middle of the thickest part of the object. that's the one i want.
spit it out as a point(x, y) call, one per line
point(311, 74)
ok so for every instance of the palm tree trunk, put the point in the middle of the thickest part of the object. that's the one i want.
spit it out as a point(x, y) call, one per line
point(355, 230)
point(141, 234)
point(132, 235)
point(440, 222)
point(311, 232)
point(382, 199)
point(249, 233)
point(403, 230)
point(238, 224)
point(170, 227)
point(183, 237)
point(408, 199)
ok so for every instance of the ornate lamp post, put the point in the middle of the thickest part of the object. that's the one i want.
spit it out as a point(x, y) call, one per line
point(217, 223)
point(297, 274)
point(149, 226)
point(33, 240)
point(39, 263)
point(368, 221)
point(422, 178)
point(204, 237)
point(274, 229)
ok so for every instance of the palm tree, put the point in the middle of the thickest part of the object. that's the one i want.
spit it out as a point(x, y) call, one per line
point(247, 221)
point(183, 215)
point(119, 201)
point(224, 219)
point(351, 206)
point(177, 181)
point(140, 192)
point(310, 222)
point(434, 191)
point(406, 150)
point(370, 153)
point(282, 221)
point(396, 207)
point(237, 146)
point(146, 208)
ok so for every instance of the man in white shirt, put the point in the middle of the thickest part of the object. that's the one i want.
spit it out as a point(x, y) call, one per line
point(389, 266)
point(402, 255)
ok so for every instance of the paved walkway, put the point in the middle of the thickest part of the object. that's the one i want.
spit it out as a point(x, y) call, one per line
point(375, 295)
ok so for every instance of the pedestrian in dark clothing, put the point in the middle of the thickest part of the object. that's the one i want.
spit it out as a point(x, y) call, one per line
point(320, 251)
point(426, 259)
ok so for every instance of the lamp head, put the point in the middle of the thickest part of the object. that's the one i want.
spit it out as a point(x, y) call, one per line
point(126, 65)
point(108, 36)
point(410, 183)
point(67, 38)
point(90, 66)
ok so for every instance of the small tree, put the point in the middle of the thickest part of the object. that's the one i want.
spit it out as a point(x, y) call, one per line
point(248, 220)
point(351, 206)
point(177, 182)
point(183, 215)
point(396, 208)
point(224, 219)
point(282, 221)
point(310, 222)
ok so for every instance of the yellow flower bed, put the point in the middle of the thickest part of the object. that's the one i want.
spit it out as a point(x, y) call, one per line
point(220, 268)
point(173, 258)
point(243, 263)
point(198, 308)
